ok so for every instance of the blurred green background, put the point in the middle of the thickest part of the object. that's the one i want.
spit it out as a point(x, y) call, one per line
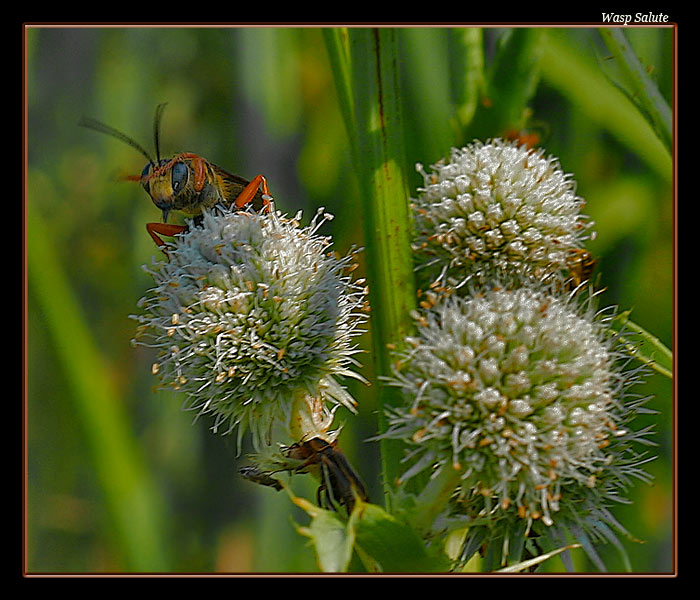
point(119, 478)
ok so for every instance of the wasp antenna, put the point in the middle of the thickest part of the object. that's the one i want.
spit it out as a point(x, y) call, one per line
point(156, 128)
point(101, 127)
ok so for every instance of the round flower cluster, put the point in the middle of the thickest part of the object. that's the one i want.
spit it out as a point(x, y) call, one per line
point(496, 207)
point(250, 312)
point(518, 390)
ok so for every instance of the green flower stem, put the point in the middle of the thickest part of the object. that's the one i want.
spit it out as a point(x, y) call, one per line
point(368, 85)
point(136, 508)
point(646, 94)
point(647, 348)
point(301, 420)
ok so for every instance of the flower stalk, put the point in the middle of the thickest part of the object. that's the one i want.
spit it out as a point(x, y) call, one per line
point(367, 58)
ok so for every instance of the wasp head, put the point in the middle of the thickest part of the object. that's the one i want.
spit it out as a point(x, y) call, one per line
point(165, 182)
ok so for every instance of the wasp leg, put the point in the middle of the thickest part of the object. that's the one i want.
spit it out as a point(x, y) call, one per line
point(251, 189)
point(322, 492)
point(163, 229)
point(338, 490)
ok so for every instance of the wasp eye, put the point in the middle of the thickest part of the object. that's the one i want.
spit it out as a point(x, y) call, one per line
point(179, 175)
point(146, 171)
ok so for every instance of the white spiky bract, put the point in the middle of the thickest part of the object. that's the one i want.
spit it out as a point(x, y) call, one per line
point(248, 313)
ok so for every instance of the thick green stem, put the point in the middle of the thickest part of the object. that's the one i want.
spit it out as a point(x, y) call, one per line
point(368, 82)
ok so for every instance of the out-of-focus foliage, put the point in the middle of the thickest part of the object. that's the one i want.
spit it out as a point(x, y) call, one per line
point(118, 477)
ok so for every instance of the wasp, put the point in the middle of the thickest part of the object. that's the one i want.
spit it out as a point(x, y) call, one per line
point(340, 484)
point(186, 182)
point(581, 265)
point(529, 139)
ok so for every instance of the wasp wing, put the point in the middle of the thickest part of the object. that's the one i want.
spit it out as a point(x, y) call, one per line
point(234, 185)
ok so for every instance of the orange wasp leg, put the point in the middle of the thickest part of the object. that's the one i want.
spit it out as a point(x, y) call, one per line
point(163, 229)
point(251, 189)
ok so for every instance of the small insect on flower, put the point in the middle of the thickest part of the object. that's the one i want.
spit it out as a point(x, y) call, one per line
point(186, 182)
point(257, 475)
point(340, 484)
point(581, 265)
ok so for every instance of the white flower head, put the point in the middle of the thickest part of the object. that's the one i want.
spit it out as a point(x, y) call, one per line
point(500, 207)
point(250, 312)
point(521, 391)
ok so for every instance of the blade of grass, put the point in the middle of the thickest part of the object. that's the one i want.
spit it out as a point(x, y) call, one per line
point(582, 82)
point(132, 500)
point(467, 80)
point(368, 87)
point(337, 45)
point(645, 93)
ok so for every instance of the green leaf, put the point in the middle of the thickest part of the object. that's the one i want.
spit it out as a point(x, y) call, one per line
point(511, 84)
point(394, 545)
point(333, 539)
point(515, 74)
point(383, 542)
point(427, 89)
point(581, 81)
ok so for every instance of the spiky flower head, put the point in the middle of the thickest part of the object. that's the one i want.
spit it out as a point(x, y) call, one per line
point(496, 207)
point(251, 313)
point(521, 392)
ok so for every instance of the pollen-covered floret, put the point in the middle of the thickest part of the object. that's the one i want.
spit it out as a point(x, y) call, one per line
point(248, 312)
point(496, 207)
